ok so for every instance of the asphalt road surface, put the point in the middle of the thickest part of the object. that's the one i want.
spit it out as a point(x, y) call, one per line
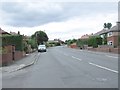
point(62, 67)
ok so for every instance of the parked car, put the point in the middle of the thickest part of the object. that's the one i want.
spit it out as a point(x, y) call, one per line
point(42, 48)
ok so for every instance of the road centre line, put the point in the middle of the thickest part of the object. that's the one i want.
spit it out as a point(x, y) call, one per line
point(111, 56)
point(76, 58)
point(103, 67)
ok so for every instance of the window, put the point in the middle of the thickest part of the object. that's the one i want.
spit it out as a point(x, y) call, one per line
point(110, 43)
point(110, 34)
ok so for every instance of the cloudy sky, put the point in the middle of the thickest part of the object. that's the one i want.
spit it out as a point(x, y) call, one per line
point(63, 19)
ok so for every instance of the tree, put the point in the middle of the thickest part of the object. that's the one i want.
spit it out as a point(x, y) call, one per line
point(74, 40)
point(82, 42)
point(95, 41)
point(107, 25)
point(41, 37)
point(104, 39)
point(32, 42)
point(68, 42)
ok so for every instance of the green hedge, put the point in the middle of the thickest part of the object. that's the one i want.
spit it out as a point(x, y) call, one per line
point(16, 40)
point(91, 41)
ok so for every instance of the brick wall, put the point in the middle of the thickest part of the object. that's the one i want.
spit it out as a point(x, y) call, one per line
point(18, 55)
point(102, 49)
point(106, 49)
point(6, 58)
point(115, 50)
point(73, 46)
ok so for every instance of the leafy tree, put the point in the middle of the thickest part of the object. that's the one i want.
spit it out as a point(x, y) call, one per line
point(104, 39)
point(40, 36)
point(33, 43)
point(74, 40)
point(82, 42)
point(68, 42)
point(95, 41)
point(107, 25)
point(79, 43)
point(25, 46)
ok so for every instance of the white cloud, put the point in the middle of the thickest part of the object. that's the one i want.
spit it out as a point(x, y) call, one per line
point(59, 20)
point(72, 28)
point(32, 13)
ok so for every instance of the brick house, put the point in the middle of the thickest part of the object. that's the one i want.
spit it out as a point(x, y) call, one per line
point(112, 35)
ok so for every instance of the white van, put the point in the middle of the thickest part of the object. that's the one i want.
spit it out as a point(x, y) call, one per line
point(41, 48)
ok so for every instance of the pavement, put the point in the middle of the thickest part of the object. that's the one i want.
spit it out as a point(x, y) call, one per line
point(28, 60)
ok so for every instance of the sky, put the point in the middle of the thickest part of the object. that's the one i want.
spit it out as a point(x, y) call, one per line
point(60, 19)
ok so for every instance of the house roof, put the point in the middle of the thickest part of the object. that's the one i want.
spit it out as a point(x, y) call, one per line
point(3, 32)
point(13, 33)
point(86, 36)
point(101, 32)
point(113, 29)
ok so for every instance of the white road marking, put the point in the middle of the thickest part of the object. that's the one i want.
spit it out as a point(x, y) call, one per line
point(76, 58)
point(111, 56)
point(103, 67)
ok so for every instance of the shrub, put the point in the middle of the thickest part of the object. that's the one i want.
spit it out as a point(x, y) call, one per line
point(16, 40)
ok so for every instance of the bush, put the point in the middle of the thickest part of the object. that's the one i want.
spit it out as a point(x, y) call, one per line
point(94, 41)
point(57, 44)
point(16, 40)
point(82, 42)
point(33, 43)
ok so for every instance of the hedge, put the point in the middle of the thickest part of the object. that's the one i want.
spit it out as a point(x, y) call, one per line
point(91, 41)
point(16, 40)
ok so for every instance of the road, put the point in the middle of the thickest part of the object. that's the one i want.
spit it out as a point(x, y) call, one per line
point(62, 67)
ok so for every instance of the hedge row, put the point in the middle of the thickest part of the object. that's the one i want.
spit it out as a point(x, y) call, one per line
point(16, 40)
point(92, 41)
